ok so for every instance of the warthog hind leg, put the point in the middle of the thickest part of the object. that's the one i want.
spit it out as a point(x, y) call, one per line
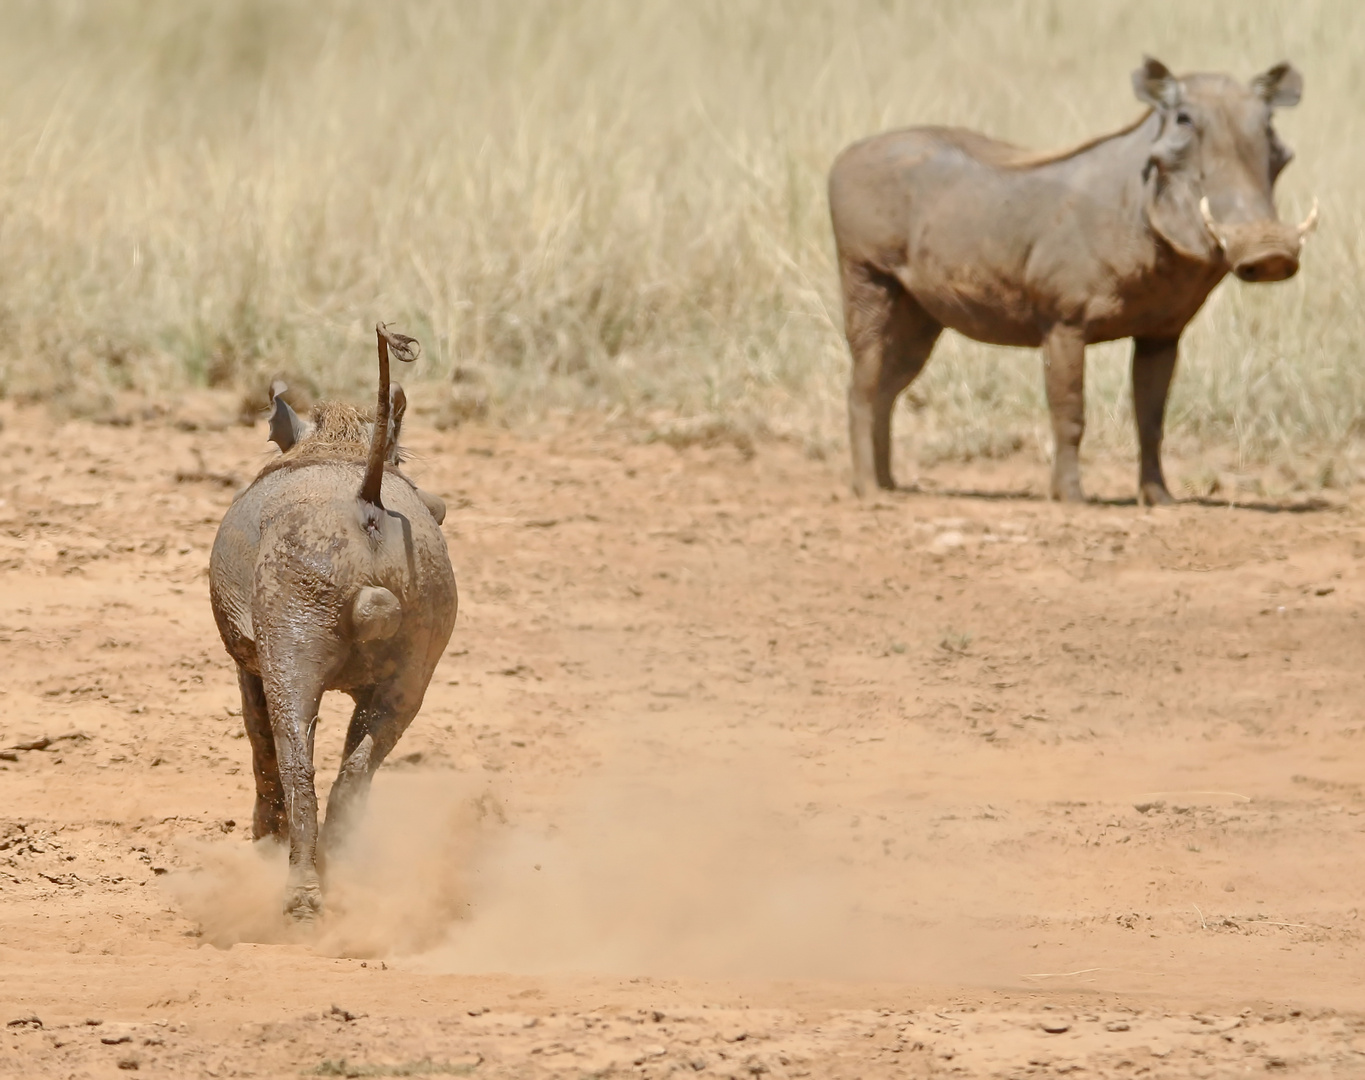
point(382, 714)
point(269, 818)
point(890, 337)
point(294, 676)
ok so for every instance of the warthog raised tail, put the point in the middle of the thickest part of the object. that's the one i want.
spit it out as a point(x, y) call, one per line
point(330, 573)
point(1124, 236)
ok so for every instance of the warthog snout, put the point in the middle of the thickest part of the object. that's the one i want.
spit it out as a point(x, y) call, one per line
point(1272, 266)
point(1261, 251)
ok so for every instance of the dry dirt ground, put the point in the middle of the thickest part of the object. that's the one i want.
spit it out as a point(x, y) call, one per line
point(723, 774)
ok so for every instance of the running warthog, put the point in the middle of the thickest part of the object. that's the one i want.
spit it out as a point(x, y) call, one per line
point(1124, 236)
point(330, 573)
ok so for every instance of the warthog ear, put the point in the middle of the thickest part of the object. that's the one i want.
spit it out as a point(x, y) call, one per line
point(285, 427)
point(1280, 86)
point(1154, 84)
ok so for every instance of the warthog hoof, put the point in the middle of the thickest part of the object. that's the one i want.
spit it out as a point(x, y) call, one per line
point(304, 902)
point(1154, 494)
point(1067, 491)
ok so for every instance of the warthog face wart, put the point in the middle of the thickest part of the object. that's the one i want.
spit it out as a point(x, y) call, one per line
point(1211, 170)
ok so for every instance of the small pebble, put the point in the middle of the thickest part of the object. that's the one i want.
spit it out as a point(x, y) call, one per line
point(1056, 1027)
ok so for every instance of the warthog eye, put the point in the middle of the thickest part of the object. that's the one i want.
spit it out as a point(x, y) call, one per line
point(1184, 119)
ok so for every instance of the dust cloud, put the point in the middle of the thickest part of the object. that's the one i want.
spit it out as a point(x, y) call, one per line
point(396, 886)
point(704, 877)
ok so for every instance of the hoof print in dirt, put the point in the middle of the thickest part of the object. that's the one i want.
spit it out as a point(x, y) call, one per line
point(330, 573)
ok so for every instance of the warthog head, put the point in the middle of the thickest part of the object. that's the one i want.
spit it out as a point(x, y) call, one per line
point(1212, 170)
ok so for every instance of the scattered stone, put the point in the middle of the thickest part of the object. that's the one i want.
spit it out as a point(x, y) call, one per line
point(947, 541)
point(1118, 1025)
point(1055, 1026)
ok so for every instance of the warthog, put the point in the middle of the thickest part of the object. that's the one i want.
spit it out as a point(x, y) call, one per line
point(330, 573)
point(1124, 236)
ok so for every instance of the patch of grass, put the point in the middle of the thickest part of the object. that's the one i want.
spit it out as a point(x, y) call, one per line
point(956, 642)
point(607, 205)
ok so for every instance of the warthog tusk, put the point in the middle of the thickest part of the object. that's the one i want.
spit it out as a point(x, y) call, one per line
point(1210, 224)
point(1310, 222)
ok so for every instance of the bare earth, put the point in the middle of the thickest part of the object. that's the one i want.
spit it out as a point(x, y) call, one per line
point(723, 774)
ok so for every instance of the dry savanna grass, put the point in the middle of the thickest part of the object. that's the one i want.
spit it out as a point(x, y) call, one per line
point(610, 205)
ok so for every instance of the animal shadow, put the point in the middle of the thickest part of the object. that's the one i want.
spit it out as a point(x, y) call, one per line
point(1310, 505)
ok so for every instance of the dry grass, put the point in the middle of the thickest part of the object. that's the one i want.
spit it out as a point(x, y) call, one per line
point(613, 204)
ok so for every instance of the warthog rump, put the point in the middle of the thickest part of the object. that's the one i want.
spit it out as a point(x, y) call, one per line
point(1124, 236)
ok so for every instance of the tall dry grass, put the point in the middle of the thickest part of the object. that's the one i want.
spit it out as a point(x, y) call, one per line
point(608, 203)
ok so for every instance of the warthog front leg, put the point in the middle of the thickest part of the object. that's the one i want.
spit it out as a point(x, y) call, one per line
point(1064, 370)
point(1153, 367)
point(268, 819)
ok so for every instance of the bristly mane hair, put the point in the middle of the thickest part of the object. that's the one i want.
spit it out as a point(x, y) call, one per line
point(339, 432)
point(1019, 158)
point(1004, 155)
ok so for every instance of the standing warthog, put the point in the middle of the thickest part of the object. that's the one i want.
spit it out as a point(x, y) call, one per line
point(330, 573)
point(1124, 236)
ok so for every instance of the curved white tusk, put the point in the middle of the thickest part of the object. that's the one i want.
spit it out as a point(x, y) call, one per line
point(1310, 222)
point(1210, 224)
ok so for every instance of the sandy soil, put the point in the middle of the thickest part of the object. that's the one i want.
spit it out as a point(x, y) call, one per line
point(723, 773)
